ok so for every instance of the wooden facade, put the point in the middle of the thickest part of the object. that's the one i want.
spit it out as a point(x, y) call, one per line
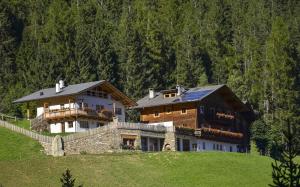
point(220, 117)
point(183, 115)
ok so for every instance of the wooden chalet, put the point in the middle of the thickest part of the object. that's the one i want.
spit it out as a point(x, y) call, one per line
point(205, 118)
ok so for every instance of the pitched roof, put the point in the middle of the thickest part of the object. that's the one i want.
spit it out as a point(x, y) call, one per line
point(191, 95)
point(71, 90)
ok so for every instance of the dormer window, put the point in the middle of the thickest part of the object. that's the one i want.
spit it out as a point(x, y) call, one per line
point(156, 114)
point(168, 95)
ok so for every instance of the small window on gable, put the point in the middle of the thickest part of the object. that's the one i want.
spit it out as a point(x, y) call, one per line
point(156, 114)
point(167, 95)
point(183, 111)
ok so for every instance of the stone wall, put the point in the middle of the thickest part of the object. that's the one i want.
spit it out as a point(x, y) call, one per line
point(99, 140)
point(104, 141)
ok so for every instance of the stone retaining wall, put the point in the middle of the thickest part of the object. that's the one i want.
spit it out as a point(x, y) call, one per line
point(103, 139)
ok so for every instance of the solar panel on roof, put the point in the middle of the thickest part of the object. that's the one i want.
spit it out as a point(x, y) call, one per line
point(195, 95)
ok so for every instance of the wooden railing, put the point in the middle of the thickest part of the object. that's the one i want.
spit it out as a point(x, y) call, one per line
point(141, 126)
point(67, 113)
point(116, 125)
point(206, 132)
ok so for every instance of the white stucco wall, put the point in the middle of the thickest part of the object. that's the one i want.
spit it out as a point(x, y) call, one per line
point(39, 111)
point(72, 129)
point(210, 144)
point(166, 124)
point(55, 128)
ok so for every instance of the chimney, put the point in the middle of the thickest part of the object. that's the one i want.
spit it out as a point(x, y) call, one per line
point(57, 88)
point(61, 84)
point(179, 90)
point(151, 93)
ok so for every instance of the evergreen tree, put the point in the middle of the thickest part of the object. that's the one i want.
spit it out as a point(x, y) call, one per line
point(260, 135)
point(280, 90)
point(286, 172)
point(67, 179)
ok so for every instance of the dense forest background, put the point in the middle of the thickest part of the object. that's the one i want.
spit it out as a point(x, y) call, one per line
point(253, 46)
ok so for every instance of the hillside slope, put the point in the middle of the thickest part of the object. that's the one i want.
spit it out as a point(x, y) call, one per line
point(139, 169)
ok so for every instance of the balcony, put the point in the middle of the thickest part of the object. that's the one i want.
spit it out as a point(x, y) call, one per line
point(65, 114)
point(216, 134)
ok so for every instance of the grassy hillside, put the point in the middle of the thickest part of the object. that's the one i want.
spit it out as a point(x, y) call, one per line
point(143, 169)
point(14, 146)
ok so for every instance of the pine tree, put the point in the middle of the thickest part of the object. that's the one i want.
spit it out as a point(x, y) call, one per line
point(67, 179)
point(260, 135)
point(286, 172)
point(280, 73)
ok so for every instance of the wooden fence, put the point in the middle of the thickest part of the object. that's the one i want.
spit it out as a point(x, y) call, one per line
point(71, 137)
point(33, 135)
point(4, 117)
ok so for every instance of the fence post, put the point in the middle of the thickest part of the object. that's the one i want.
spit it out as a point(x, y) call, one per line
point(15, 118)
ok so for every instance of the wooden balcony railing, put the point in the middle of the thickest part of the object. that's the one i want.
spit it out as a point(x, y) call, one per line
point(71, 113)
point(210, 132)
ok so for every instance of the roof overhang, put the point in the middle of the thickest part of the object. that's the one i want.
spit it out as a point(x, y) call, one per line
point(117, 94)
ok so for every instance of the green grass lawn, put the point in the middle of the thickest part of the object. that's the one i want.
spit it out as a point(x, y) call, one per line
point(24, 123)
point(22, 164)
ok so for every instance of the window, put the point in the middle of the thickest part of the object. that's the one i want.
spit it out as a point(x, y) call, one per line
point(156, 114)
point(128, 142)
point(99, 107)
point(217, 146)
point(203, 145)
point(118, 111)
point(84, 124)
point(169, 110)
point(62, 106)
point(201, 109)
point(99, 124)
point(214, 146)
point(167, 95)
point(173, 95)
point(178, 145)
point(221, 147)
point(183, 111)
point(230, 148)
point(194, 147)
point(70, 124)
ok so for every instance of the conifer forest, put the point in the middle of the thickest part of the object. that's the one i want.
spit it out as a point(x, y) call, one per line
point(252, 46)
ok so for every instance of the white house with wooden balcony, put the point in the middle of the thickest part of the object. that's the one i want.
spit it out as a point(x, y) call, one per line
point(78, 107)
